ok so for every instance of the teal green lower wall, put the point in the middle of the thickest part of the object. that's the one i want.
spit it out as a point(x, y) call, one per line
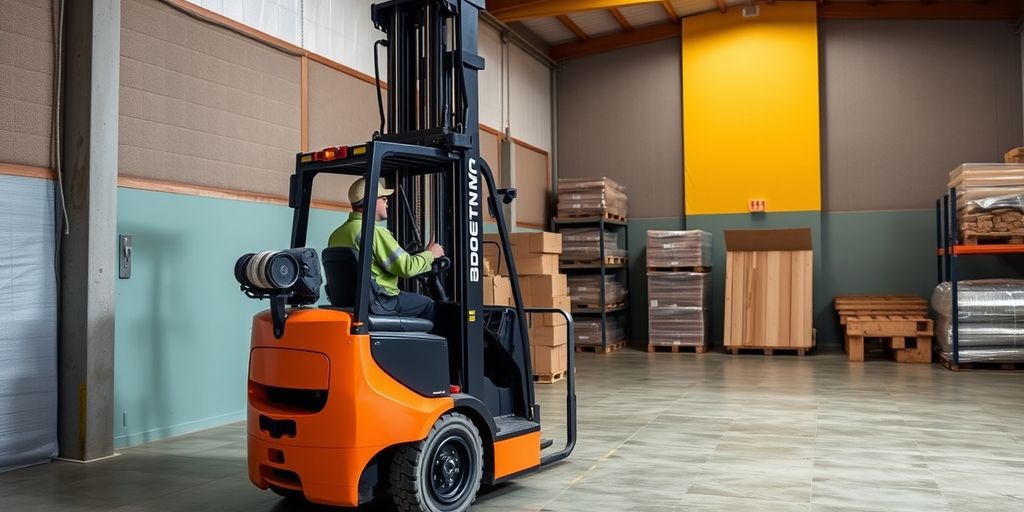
point(182, 326)
point(854, 253)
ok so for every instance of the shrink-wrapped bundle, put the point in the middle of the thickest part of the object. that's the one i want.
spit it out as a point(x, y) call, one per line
point(586, 290)
point(679, 248)
point(991, 320)
point(590, 196)
point(584, 244)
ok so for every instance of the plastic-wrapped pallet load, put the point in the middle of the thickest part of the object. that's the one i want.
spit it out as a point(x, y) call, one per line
point(585, 290)
point(578, 197)
point(990, 201)
point(666, 249)
point(991, 314)
point(584, 244)
point(588, 331)
point(678, 312)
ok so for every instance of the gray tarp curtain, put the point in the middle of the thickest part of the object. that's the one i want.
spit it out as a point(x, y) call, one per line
point(28, 323)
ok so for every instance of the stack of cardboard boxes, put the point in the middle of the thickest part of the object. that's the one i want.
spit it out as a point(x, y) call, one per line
point(536, 257)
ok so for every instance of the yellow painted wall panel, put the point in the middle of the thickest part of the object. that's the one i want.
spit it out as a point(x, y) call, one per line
point(750, 110)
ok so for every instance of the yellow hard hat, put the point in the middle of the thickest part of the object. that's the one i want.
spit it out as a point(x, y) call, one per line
point(355, 192)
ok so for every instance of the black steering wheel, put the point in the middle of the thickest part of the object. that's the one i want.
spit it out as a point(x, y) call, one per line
point(440, 265)
point(431, 279)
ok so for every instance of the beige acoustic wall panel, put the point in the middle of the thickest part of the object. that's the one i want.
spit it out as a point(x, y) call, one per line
point(491, 83)
point(533, 184)
point(26, 82)
point(529, 101)
point(342, 112)
point(202, 105)
point(490, 151)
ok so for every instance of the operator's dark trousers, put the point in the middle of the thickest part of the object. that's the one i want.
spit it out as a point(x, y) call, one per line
point(403, 304)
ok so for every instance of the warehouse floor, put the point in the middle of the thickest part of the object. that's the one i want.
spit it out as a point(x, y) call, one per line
point(664, 432)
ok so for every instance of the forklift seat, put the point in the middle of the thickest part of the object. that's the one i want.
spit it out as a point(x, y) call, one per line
point(341, 267)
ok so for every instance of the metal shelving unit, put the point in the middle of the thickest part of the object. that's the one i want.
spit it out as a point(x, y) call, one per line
point(949, 252)
point(602, 268)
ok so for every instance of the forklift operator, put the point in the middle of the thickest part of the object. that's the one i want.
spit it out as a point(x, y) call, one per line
point(390, 261)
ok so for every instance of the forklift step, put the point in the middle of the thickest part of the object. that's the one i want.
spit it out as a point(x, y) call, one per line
point(546, 443)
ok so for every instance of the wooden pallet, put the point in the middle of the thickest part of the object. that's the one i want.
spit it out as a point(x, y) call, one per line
point(769, 351)
point(699, 270)
point(550, 379)
point(977, 366)
point(909, 336)
point(855, 305)
point(970, 238)
point(696, 349)
point(611, 347)
point(880, 303)
point(608, 261)
point(605, 215)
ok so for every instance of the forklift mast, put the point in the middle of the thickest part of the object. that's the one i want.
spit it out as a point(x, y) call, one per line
point(429, 148)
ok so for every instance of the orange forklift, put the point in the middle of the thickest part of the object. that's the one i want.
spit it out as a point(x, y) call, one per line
point(345, 406)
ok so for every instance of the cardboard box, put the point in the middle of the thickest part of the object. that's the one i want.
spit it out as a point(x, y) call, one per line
point(549, 336)
point(564, 302)
point(540, 242)
point(549, 360)
point(547, 319)
point(768, 288)
point(536, 264)
point(542, 288)
point(497, 291)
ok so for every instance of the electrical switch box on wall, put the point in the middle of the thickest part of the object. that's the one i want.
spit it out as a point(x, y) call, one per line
point(758, 205)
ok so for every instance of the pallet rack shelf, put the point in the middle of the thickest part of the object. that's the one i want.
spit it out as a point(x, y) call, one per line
point(949, 251)
point(602, 267)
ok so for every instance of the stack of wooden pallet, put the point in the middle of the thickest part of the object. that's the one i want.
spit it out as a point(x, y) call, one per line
point(899, 323)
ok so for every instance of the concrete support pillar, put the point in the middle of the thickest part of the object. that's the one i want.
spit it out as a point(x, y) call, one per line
point(88, 253)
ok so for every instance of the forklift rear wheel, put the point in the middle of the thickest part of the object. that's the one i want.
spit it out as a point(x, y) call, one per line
point(442, 473)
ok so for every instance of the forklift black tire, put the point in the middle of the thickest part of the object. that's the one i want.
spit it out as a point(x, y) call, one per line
point(442, 473)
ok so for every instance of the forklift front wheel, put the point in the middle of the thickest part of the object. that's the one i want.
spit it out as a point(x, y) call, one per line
point(442, 473)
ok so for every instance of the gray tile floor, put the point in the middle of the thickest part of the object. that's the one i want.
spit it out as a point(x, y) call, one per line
point(665, 432)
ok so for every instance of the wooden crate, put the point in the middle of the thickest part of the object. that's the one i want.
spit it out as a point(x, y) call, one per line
point(908, 336)
point(768, 289)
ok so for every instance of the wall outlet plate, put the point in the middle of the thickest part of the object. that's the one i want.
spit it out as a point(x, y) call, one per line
point(758, 205)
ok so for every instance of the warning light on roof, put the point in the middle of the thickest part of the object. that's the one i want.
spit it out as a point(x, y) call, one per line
point(328, 154)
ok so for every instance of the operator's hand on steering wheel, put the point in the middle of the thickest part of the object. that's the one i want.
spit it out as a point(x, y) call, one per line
point(435, 248)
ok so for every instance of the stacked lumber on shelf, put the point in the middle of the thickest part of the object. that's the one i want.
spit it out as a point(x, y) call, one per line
point(989, 203)
point(768, 290)
point(898, 323)
point(678, 290)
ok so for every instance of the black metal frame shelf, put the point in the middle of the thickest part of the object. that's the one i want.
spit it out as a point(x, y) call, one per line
point(948, 253)
point(602, 268)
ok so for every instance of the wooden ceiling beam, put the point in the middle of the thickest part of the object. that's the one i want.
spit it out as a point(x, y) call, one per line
point(670, 11)
point(518, 10)
point(954, 10)
point(626, 25)
point(648, 34)
point(571, 25)
point(721, 6)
